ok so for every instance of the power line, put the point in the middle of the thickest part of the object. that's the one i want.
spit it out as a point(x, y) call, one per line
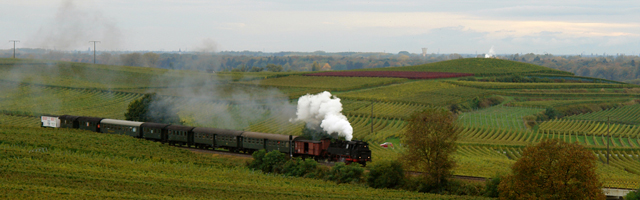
point(14, 47)
point(94, 50)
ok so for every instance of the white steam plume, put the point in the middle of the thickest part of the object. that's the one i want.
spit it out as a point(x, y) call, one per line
point(490, 54)
point(323, 111)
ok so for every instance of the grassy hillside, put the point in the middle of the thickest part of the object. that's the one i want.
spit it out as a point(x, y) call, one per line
point(41, 163)
point(492, 136)
point(478, 66)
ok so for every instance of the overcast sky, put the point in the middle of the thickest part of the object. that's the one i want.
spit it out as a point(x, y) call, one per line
point(454, 26)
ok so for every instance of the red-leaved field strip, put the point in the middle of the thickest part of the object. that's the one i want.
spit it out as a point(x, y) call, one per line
point(393, 74)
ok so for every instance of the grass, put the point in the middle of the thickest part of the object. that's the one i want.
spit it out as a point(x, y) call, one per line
point(57, 163)
point(326, 82)
point(498, 117)
point(35, 100)
point(380, 109)
point(434, 93)
point(508, 85)
point(477, 66)
point(74, 164)
point(625, 114)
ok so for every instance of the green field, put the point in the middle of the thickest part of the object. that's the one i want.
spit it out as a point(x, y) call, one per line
point(502, 85)
point(105, 166)
point(477, 66)
point(428, 92)
point(501, 117)
point(629, 114)
point(545, 103)
point(326, 82)
point(35, 100)
point(73, 164)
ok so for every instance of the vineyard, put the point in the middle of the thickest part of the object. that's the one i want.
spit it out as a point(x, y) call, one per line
point(417, 92)
point(502, 85)
point(392, 74)
point(326, 83)
point(477, 66)
point(628, 114)
point(491, 139)
point(382, 109)
point(500, 117)
point(36, 100)
point(546, 103)
point(74, 164)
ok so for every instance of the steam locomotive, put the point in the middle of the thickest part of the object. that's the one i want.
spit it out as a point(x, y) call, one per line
point(214, 138)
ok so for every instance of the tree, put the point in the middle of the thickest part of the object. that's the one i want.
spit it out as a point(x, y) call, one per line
point(150, 59)
point(274, 68)
point(430, 140)
point(553, 169)
point(151, 108)
point(315, 66)
point(132, 59)
point(326, 67)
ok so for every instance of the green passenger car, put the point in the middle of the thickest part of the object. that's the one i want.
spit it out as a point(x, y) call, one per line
point(69, 121)
point(154, 131)
point(89, 123)
point(214, 137)
point(120, 127)
point(177, 134)
point(254, 141)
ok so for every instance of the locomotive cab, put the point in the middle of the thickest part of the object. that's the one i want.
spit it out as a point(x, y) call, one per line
point(350, 151)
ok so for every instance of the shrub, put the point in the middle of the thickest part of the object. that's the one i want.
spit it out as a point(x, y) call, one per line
point(552, 113)
point(341, 173)
point(386, 174)
point(268, 162)
point(412, 183)
point(299, 167)
point(633, 195)
point(258, 156)
point(491, 186)
point(318, 173)
point(457, 187)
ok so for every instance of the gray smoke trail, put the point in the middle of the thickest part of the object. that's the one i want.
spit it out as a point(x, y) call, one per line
point(73, 27)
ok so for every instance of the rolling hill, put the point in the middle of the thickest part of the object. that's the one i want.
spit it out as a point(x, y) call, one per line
point(498, 108)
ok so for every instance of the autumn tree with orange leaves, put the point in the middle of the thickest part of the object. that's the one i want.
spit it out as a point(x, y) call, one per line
point(553, 169)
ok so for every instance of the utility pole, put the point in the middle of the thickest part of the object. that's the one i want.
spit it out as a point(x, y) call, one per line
point(371, 118)
point(14, 47)
point(94, 50)
point(608, 137)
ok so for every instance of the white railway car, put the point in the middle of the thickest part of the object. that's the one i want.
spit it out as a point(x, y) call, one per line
point(50, 121)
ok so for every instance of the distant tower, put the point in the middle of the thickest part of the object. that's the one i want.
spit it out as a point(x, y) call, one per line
point(424, 52)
